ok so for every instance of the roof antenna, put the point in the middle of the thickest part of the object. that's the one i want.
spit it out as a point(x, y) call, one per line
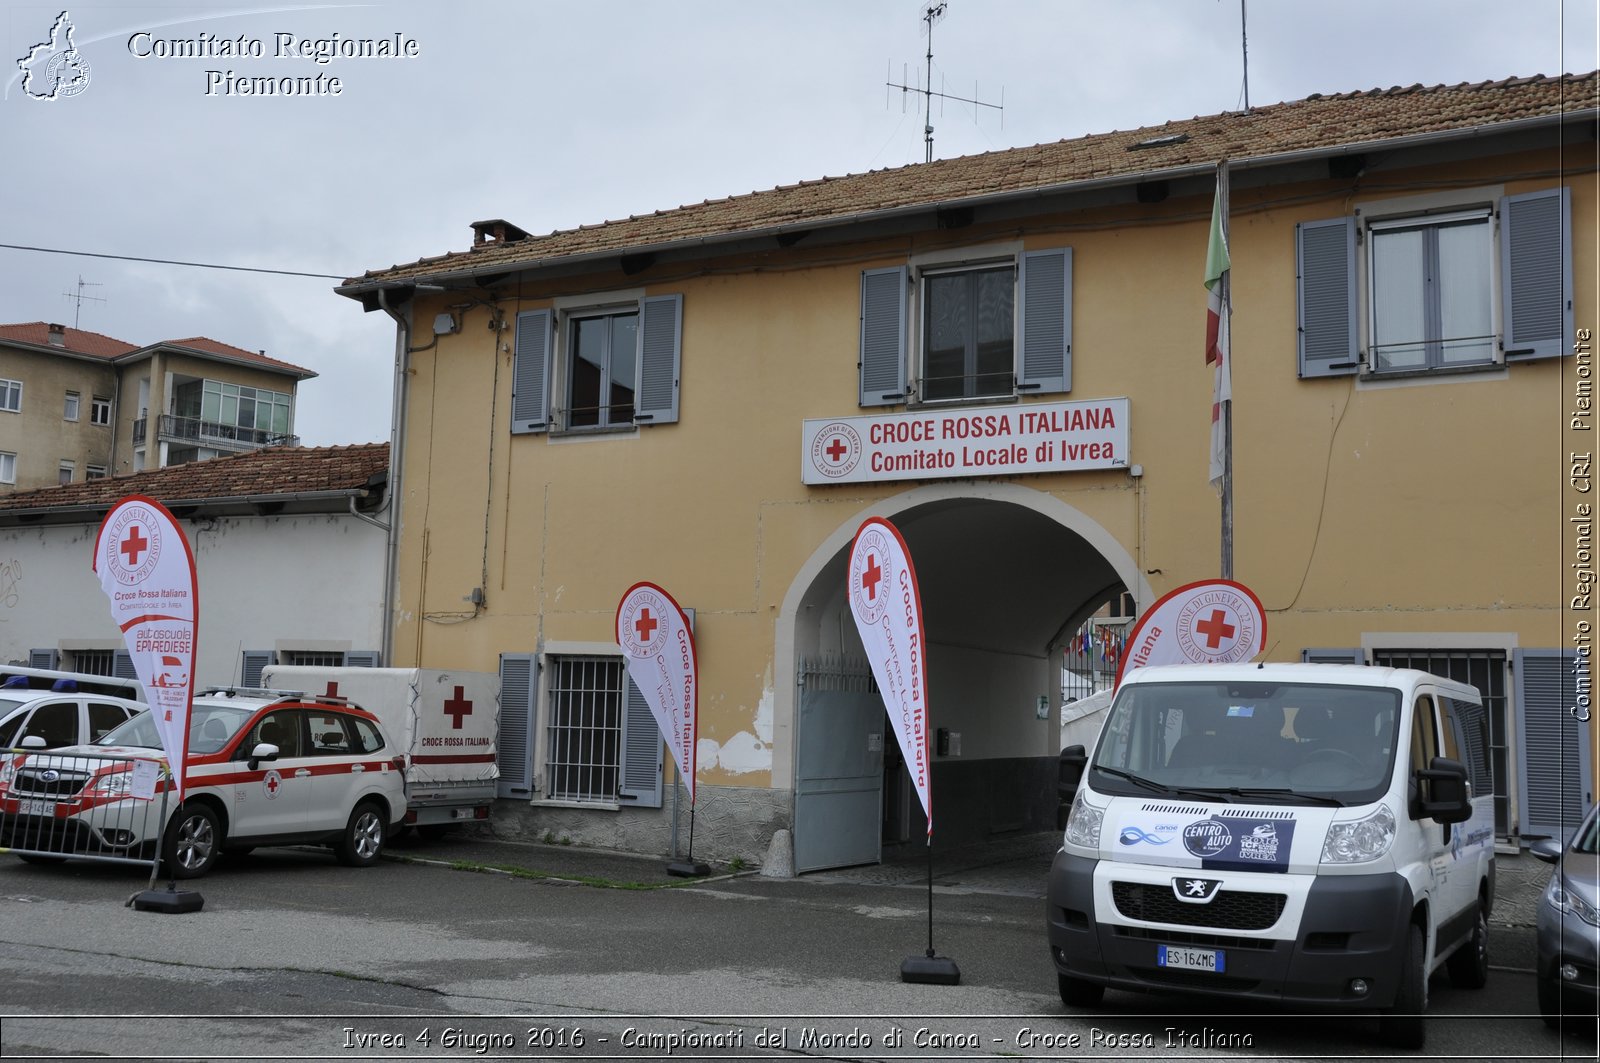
point(1244, 47)
point(935, 13)
point(80, 297)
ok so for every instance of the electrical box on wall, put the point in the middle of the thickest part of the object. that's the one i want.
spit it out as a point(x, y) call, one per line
point(947, 743)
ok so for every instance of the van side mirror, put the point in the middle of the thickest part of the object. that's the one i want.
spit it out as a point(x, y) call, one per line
point(1069, 771)
point(1444, 795)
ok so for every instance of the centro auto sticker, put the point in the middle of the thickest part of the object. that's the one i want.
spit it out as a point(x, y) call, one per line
point(1240, 844)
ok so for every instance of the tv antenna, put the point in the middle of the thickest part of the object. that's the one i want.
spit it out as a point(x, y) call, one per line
point(934, 13)
point(78, 297)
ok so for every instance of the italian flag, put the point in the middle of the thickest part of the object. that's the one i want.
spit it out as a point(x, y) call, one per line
point(1217, 356)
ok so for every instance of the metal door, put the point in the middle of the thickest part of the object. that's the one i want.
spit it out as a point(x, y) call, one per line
point(839, 768)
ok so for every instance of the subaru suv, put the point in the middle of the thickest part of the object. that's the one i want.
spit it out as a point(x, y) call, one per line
point(264, 768)
point(62, 708)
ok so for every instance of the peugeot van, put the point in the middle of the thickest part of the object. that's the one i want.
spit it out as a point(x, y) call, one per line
point(1290, 833)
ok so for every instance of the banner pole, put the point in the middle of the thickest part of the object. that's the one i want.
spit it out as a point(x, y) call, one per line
point(930, 894)
point(689, 867)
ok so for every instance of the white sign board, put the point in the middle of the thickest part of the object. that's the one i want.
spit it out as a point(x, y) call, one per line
point(966, 442)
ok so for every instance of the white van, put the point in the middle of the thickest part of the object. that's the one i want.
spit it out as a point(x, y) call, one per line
point(1300, 833)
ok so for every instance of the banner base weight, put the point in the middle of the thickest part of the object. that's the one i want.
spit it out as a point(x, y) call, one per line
point(688, 869)
point(930, 970)
point(172, 902)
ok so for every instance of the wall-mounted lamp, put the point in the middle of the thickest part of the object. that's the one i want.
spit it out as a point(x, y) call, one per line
point(445, 325)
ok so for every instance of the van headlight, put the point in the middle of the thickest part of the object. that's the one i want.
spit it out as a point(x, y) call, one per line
point(1360, 840)
point(1083, 825)
point(1562, 899)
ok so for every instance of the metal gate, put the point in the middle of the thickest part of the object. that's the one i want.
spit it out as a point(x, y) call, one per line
point(839, 765)
point(55, 805)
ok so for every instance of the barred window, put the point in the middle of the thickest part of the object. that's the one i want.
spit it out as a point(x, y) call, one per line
point(584, 734)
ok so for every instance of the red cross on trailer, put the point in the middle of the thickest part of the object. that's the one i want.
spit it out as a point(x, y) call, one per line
point(646, 626)
point(837, 449)
point(457, 707)
point(1215, 628)
point(332, 691)
point(133, 545)
point(871, 577)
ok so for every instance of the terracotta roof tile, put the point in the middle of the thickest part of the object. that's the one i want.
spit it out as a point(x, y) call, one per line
point(76, 341)
point(1316, 122)
point(270, 471)
point(227, 350)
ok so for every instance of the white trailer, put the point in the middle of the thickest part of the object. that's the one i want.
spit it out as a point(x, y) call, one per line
point(445, 723)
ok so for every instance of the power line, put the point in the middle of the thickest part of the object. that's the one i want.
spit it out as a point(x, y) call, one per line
point(176, 262)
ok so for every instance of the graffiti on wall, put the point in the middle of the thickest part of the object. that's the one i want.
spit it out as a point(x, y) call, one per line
point(10, 586)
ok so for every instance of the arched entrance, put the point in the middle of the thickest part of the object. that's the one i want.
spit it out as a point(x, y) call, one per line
point(1006, 574)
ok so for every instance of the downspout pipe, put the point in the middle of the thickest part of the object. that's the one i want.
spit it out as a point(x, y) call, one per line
point(397, 436)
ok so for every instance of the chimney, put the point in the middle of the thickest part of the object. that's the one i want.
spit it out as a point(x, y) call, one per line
point(58, 335)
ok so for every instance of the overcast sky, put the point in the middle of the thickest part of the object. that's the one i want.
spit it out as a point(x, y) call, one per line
point(555, 113)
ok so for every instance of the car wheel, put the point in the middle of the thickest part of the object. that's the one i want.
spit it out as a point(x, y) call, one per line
point(39, 860)
point(1469, 965)
point(1401, 1024)
point(193, 842)
point(362, 839)
point(1077, 993)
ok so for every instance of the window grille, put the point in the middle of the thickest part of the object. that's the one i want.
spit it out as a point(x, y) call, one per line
point(311, 658)
point(93, 662)
point(585, 728)
point(1486, 670)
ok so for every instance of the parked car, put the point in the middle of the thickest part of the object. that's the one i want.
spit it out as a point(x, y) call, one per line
point(263, 769)
point(62, 708)
point(1569, 926)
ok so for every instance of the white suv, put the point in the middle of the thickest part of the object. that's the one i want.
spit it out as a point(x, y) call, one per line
point(62, 708)
point(264, 768)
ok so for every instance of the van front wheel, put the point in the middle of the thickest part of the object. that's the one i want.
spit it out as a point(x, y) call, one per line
point(1077, 993)
point(1469, 965)
point(1401, 1025)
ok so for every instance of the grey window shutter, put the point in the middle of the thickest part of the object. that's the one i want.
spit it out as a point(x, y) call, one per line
point(361, 659)
point(251, 665)
point(43, 658)
point(1326, 656)
point(530, 377)
point(660, 359)
point(1536, 272)
point(1553, 746)
point(1325, 272)
point(122, 665)
point(883, 336)
point(643, 752)
point(514, 747)
point(1046, 356)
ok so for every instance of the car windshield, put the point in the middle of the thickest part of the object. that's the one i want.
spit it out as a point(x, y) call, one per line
point(1272, 743)
point(210, 728)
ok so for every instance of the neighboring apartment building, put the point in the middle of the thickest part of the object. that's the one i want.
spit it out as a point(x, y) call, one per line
point(289, 549)
point(77, 405)
point(1003, 354)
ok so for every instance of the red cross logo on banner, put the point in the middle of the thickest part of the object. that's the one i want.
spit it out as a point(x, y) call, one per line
point(457, 707)
point(646, 626)
point(871, 577)
point(1215, 628)
point(133, 545)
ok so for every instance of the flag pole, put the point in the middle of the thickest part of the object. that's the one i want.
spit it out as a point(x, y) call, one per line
point(1226, 283)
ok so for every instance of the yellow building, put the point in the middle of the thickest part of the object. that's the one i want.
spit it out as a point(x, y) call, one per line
point(1003, 354)
point(77, 405)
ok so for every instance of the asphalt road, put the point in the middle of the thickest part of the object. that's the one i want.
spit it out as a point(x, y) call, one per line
point(296, 957)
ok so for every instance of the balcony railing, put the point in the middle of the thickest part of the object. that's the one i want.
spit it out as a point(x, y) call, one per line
point(210, 433)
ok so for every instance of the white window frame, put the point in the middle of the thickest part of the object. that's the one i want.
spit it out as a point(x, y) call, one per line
point(8, 467)
point(552, 661)
point(99, 411)
point(95, 472)
point(1429, 209)
point(72, 406)
point(10, 396)
point(68, 469)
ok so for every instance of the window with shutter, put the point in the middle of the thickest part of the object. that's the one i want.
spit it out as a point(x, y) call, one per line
point(1557, 786)
point(1325, 282)
point(530, 376)
point(1536, 262)
point(514, 745)
point(643, 752)
point(43, 658)
point(251, 664)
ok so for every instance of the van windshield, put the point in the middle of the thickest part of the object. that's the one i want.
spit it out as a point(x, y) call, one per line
point(1288, 743)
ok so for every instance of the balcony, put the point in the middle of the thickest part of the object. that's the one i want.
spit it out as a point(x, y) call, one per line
point(171, 429)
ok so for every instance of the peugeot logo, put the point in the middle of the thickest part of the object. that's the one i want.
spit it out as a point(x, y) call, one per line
point(1195, 890)
point(50, 775)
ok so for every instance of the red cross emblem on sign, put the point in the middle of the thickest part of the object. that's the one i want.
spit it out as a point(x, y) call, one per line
point(646, 625)
point(870, 578)
point(837, 449)
point(1215, 628)
point(133, 545)
point(457, 707)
